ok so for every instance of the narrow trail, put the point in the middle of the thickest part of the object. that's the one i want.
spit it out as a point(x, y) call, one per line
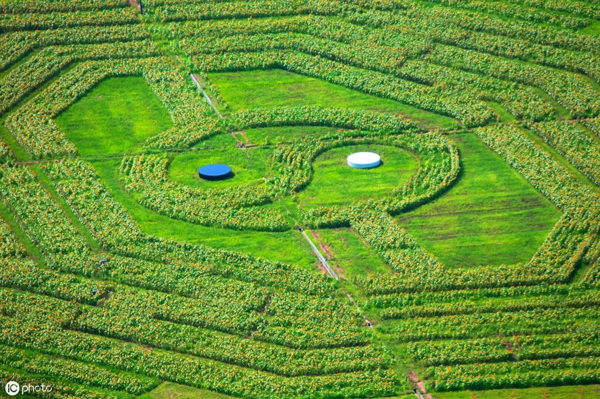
point(206, 97)
point(364, 316)
point(321, 258)
point(419, 390)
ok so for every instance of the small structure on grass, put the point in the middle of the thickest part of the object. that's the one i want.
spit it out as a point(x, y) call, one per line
point(215, 171)
point(364, 160)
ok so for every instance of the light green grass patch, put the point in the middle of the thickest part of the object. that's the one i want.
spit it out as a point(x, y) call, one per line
point(276, 88)
point(114, 117)
point(285, 134)
point(592, 29)
point(288, 247)
point(248, 167)
point(334, 182)
point(566, 392)
point(491, 216)
point(169, 390)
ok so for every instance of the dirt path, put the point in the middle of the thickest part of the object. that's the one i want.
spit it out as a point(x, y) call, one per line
point(412, 376)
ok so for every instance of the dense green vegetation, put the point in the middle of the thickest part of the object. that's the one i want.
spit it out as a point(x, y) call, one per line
point(591, 391)
point(247, 166)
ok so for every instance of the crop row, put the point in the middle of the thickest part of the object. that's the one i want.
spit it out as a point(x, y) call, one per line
point(478, 295)
point(128, 309)
point(247, 9)
point(15, 45)
point(364, 55)
point(50, 61)
point(580, 100)
point(171, 324)
point(9, 246)
point(6, 154)
point(467, 20)
point(544, 302)
point(178, 367)
point(447, 102)
point(81, 373)
point(47, 6)
point(523, 102)
point(581, 8)
point(317, 116)
point(236, 208)
point(522, 374)
point(516, 12)
point(36, 21)
point(37, 212)
point(60, 389)
point(537, 321)
point(572, 141)
point(331, 28)
point(506, 348)
point(593, 125)
point(415, 34)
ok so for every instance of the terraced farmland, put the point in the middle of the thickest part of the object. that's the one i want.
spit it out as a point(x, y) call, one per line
point(465, 266)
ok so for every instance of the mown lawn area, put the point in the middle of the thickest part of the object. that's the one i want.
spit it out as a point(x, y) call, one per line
point(491, 216)
point(334, 182)
point(114, 117)
point(169, 390)
point(566, 392)
point(276, 87)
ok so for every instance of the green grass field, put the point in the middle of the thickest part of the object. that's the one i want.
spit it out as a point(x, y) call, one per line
point(276, 87)
point(114, 117)
point(248, 167)
point(491, 216)
point(334, 182)
point(169, 390)
point(566, 392)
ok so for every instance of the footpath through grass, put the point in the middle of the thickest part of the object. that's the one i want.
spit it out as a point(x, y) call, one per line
point(491, 216)
point(276, 87)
